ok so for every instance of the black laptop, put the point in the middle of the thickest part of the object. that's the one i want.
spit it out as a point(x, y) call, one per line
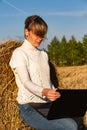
point(73, 103)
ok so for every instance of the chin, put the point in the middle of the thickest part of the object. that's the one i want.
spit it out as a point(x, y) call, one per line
point(37, 45)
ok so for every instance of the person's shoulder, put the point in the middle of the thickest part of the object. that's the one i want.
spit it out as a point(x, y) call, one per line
point(44, 53)
point(18, 52)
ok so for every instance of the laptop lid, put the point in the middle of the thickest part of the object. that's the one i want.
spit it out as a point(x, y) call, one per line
point(72, 103)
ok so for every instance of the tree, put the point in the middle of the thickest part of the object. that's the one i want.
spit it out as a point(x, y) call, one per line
point(53, 51)
point(72, 55)
point(68, 53)
point(63, 51)
point(85, 47)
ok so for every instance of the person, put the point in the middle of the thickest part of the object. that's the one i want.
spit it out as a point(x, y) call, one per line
point(32, 74)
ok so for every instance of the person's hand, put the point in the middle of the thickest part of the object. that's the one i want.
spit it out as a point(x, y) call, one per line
point(51, 94)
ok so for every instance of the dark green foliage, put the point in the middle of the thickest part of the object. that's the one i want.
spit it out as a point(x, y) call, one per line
point(85, 48)
point(53, 51)
point(68, 53)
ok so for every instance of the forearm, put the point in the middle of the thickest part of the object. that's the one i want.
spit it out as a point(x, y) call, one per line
point(26, 81)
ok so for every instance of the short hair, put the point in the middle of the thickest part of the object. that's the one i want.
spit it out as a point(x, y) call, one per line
point(36, 24)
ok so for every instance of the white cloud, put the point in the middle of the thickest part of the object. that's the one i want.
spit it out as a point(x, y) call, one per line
point(16, 8)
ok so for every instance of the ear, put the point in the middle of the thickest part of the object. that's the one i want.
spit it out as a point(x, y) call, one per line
point(26, 32)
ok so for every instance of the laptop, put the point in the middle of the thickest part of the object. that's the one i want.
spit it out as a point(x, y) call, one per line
point(72, 103)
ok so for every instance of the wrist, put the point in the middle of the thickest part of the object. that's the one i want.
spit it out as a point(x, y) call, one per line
point(43, 93)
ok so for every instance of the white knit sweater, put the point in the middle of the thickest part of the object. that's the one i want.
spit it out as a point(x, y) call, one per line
point(32, 74)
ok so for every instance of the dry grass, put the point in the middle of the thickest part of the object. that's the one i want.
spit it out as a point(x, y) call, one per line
point(69, 77)
point(73, 77)
point(9, 113)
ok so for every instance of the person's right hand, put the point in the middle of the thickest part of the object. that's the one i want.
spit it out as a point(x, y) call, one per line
point(51, 94)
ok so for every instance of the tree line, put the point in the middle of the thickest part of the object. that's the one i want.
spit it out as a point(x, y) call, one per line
point(68, 53)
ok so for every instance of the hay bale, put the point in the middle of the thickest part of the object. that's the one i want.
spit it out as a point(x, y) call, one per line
point(9, 112)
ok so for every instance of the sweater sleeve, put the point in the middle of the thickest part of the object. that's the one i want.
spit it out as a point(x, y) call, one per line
point(26, 81)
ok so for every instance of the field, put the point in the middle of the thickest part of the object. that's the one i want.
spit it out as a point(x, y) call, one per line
point(69, 77)
point(73, 77)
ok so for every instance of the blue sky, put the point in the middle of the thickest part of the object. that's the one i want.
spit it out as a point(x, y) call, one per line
point(64, 17)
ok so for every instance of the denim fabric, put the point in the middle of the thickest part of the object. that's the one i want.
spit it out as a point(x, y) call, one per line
point(42, 108)
point(39, 122)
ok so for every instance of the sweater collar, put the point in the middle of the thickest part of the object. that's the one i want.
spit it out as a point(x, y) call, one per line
point(28, 45)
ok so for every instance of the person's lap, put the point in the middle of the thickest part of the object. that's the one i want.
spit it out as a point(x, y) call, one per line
point(39, 122)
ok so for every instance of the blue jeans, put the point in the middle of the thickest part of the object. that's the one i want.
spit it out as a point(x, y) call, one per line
point(39, 122)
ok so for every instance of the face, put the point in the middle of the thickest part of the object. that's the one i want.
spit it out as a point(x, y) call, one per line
point(34, 39)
